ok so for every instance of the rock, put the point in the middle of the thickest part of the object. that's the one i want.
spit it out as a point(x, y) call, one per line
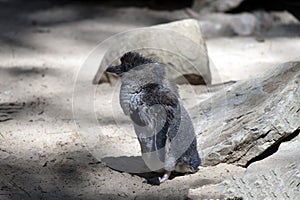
point(215, 5)
point(179, 45)
point(221, 24)
point(209, 6)
point(243, 24)
point(256, 23)
point(276, 177)
point(249, 118)
point(216, 25)
point(227, 5)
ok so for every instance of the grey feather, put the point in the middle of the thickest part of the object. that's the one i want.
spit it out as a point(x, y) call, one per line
point(163, 126)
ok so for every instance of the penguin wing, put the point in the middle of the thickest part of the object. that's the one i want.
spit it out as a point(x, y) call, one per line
point(162, 108)
point(153, 109)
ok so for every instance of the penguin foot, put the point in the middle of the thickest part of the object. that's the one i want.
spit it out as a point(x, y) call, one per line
point(164, 177)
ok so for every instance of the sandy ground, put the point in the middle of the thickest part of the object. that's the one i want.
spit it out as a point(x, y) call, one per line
point(42, 153)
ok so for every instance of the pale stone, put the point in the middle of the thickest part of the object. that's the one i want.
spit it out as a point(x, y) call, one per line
point(242, 121)
point(179, 45)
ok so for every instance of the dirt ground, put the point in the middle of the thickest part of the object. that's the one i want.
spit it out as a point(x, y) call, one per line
point(42, 46)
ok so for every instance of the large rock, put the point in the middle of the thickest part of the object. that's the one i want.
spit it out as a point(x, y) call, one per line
point(179, 45)
point(249, 118)
point(276, 177)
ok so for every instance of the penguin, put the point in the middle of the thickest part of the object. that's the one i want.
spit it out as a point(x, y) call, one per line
point(163, 126)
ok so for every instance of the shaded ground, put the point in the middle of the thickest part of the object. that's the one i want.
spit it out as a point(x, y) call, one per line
point(42, 45)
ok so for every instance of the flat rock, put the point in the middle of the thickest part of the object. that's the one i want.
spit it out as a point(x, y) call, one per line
point(249, 118)
point(179, 45)
point(276, 177)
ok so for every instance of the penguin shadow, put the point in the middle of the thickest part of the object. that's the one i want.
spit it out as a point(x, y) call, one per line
point(135, 165)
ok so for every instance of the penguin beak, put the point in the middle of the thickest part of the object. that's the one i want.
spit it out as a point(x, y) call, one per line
point(114, 69)
point(111, 69)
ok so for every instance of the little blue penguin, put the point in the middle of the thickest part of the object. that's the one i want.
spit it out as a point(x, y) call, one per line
point(162, 125)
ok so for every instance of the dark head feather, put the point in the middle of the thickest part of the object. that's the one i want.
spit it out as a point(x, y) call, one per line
point(129, 61)
point(133, 59)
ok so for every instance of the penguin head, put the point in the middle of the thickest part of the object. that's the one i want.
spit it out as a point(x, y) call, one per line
point(129, 61)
